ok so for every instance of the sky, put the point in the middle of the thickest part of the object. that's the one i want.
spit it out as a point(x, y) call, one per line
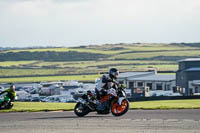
point(25, 23)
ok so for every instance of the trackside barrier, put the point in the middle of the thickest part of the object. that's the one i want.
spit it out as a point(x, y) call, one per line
point(162, 98)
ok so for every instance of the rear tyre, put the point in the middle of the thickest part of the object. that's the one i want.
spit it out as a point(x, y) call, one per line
point(3, 105)
point(118, 110)
point(81, 110)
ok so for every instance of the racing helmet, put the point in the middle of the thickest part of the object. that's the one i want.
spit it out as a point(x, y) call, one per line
point(113, 73)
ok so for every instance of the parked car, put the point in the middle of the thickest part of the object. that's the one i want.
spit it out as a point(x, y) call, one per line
point(35, 98)
point(2, 88)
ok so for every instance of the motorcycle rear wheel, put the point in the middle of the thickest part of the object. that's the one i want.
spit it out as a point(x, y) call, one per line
point(81, 110)
point(118, 110)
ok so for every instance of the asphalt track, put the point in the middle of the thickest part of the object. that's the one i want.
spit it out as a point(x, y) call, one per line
point(135, 121)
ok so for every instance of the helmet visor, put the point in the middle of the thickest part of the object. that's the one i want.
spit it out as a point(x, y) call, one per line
point(116, 74)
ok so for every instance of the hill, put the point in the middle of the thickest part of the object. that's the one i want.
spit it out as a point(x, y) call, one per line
point(94, 59)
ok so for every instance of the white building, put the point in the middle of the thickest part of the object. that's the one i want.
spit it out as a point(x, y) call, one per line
point(149, 83)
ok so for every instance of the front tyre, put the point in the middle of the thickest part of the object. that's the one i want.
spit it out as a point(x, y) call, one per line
point(81, 110)
point(118, 110)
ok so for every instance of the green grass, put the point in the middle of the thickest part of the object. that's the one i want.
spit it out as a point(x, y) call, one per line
point(80, 67)
point(155, 54)
point(106, 49)
point(15, 63)
point(54, 78)
point(158, 67)
point(139, 57)
point(165, 104)
point(39, 50)
point(68, 49)
point(80, 64)
point(83, 64)
point(23, 72)
point(50, 78)
point(158, 47)
point(39, 106)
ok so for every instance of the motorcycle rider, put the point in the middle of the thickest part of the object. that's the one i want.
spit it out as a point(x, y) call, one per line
point(10, 92)
point(106, 82)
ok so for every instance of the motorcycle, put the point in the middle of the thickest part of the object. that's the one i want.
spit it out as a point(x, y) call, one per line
point(5, 102)
point(115, 101)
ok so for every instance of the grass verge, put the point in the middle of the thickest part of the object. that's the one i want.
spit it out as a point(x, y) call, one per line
point(39, 106)
point(165, 104)
point(50, 78)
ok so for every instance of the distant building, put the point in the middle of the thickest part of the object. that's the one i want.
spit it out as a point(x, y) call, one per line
point(141, 83)
point(188, 76)
point(123, 77)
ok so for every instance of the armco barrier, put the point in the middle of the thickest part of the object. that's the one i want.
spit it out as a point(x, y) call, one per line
point(162, 98)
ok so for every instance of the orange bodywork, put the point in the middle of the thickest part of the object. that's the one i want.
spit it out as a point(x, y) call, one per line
point(105, 98)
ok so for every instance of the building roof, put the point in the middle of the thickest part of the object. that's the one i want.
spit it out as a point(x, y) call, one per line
point(196, 82)
point(156, 77)
point(193, 69)
point(132, 74)
point(189, 59)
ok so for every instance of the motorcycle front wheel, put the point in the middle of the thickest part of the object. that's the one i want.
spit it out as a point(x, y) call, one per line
point(81, 110)
point(118, 110)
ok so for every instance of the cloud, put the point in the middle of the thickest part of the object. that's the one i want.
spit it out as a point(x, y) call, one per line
point(55, 1)
point(70, 1)
point(98, 21)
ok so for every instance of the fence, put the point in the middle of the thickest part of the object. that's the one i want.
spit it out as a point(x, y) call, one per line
point(162, 98)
